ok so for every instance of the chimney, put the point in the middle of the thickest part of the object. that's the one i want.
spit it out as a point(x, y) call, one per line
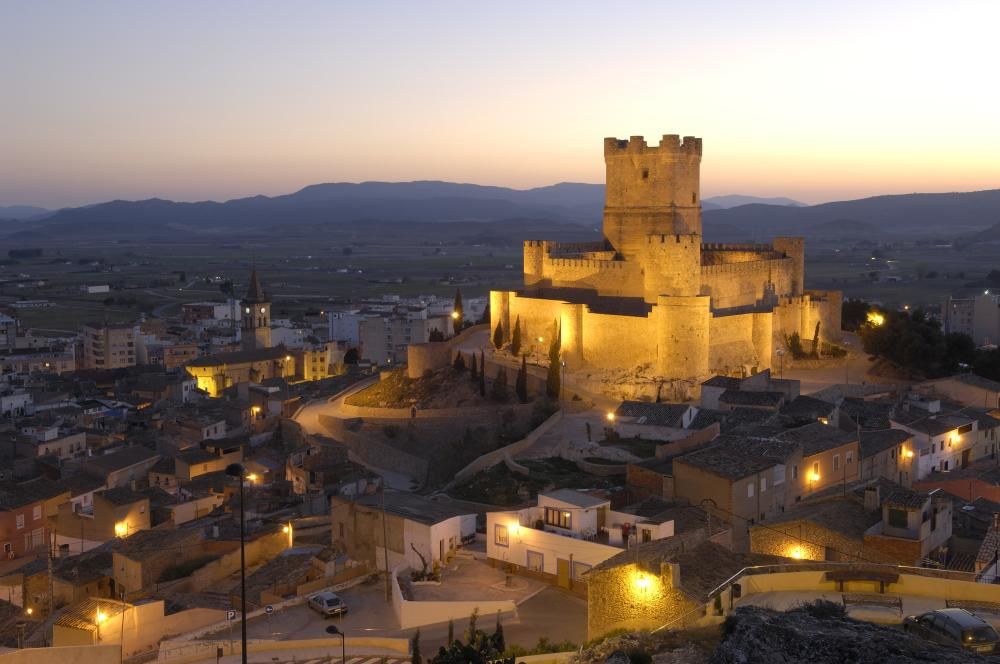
point(872, 501)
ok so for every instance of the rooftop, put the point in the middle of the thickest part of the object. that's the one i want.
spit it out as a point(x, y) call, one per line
point(413, 507)
point(575, 498)
point(844, 515)
point(145, 541)
point(653, 414)
point(121, 496)
point(978, 381)
point(931, 424)
point(902, 497)
point(14, 495)
point(240, 357)
point(748, 398)
point(735, 457)
point(818, 437)
point(880, 440)
point(806, 407)
point(122, 458)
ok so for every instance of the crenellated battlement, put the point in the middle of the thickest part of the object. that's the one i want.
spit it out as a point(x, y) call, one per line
point(675, 238)
point(669, 144)
point(745, 267)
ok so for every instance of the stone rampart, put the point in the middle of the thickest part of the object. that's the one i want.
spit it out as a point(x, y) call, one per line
point(434, 355)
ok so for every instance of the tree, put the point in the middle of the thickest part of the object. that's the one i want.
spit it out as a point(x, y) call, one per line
point(482, 373)
point(521, 384)
point(498, 336)
point(815, 344)
point(794, 344)
point(451, 632)
point(351, 356)
point(470, 631)
point(459, 362)
point(458, 313)
point(499, 643)
point(515, 338)
point(436, 335)
point(500, 385)
point(853, 314)
point(553, 381)
point(485, 318)
point(415, 657)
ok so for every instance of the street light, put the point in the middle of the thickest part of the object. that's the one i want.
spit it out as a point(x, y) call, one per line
point(290, 531)
point(237, 470)
point(333, 631)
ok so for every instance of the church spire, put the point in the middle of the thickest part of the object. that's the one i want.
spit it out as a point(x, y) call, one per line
point(255, 293)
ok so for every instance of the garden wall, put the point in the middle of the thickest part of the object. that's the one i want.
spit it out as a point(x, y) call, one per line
point(491, 459)
point(411, 614)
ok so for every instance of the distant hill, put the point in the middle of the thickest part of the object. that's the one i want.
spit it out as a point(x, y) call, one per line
point(923, 214)
point(20, 211)
point(735, 200)
point(567, 202)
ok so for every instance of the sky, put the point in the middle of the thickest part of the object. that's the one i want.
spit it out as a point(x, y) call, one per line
point(194, 100)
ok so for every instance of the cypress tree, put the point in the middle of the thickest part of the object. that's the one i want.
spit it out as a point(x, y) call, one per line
point(500, 385)
point(521, 385)
point(459, 362)
point(498, 336)
point(499, 643)
point(451, 632)
point(515, 338)
point(485, 318)
point(474, 371)
point(553, 381)
point(459, 314)
point(482, 373)
point(415, 648)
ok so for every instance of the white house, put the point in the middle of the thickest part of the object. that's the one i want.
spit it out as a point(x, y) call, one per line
point(566, 534)
point(941, 441)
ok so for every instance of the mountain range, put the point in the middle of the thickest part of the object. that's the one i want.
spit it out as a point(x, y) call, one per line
point(725, 217)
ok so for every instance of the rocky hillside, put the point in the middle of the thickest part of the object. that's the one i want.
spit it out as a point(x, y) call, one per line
point(820, 634)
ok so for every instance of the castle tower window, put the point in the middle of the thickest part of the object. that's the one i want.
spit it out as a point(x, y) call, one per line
point(645, 174)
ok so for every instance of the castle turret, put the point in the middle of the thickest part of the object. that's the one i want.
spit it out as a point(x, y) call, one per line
point(795, 249)
point(682, 329)
point(534, 257)
point(651, 190)
point(671, 265)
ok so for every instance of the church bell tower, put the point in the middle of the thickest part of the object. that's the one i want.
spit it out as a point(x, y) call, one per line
point(256, 316)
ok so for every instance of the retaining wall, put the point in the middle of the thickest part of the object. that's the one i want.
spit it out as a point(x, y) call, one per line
point(435, 355)
point(491, 459)
point(64, 655)
point(371, 452)
point(411, 613)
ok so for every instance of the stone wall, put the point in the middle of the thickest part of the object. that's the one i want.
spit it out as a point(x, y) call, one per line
point(435, 355)
point(628, 597)
point(370, 452)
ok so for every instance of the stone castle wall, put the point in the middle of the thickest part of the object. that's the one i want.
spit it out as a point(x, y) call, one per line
point(742, 284)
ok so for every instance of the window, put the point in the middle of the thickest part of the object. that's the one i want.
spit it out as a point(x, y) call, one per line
point(850, 457)
point(836, 462)
point(795, 472)
point(647, 535)
point(19, 521)
point(897, 518)
point(749, 489)
point(816, 468)
point(763, 484)
point(645, 174)
point(779, 474)
point(500, 535)
point(558, 518)
point(36, 513)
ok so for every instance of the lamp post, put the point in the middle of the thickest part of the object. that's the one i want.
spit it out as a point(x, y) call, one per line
point(237, 470)
point(333, 631)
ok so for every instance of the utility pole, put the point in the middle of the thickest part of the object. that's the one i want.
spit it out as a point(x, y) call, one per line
point(385, 546)
point(52, 543)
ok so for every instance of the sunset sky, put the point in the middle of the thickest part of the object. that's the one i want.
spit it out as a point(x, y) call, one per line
point(213, 100)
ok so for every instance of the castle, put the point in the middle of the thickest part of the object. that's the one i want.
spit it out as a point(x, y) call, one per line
point(652, 296)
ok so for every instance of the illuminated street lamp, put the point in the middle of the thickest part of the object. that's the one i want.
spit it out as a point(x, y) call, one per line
point(290, 531)
point(875, 319)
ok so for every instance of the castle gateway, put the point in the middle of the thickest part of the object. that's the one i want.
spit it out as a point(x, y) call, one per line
point(651, 297)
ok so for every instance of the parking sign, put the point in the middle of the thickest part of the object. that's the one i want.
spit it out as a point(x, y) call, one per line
point(230, 615)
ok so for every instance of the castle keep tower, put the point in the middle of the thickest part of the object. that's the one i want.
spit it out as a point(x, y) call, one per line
point(651, 190)
point(256, 318)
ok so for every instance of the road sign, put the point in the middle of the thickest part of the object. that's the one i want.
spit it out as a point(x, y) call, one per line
point(231, 615)
point(268, 609)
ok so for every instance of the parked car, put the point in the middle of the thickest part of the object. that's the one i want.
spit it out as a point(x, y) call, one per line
point(956, 627)
point(327, 604)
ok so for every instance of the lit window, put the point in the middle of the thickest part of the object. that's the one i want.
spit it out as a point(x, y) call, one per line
point(558, 518)
point(19, 521)
point(36, 513)
point(500, 535)
point(836, 462)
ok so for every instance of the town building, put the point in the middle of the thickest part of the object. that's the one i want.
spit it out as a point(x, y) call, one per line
point(687, 308)
point(385, 339)
point(420, 533)
point(109, 345)
point(977, 317)
point(255, 326)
